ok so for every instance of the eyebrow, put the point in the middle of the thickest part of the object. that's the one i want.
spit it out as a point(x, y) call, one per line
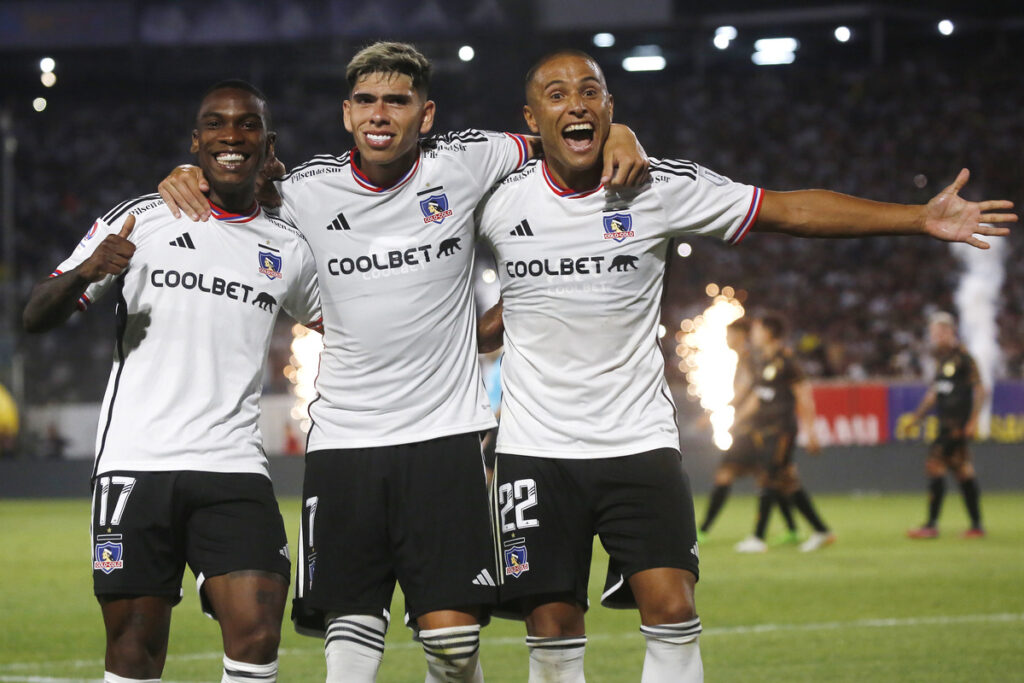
point(559, 81)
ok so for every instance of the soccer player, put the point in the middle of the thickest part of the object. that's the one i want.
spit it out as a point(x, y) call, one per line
point(781, 398)
point(957, 395)
point(180, 475)
point(741, 458)
point(588, 441)
point(394, 486)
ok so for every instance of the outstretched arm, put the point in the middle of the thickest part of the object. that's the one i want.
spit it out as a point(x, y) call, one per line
point(55, 299)
point(625, 161)
point(947, 217)
point(490, 329)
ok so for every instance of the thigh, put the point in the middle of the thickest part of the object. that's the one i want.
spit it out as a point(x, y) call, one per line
point(544, 526)
point(234, 525)
point(248, 605)
point(644, 518)
point(345, 564)
point(138, 531)
point(439, 525)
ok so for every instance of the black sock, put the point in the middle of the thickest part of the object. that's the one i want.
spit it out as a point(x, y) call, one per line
point(786, 508)
point(936, 492)
point(972, 499)
point(764, 510)
point(718, 496)
point(802, 502)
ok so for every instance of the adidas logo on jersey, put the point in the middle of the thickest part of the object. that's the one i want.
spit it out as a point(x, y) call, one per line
point(184, 240)
point(522, 230)
point(339, 223)
point(483, 578)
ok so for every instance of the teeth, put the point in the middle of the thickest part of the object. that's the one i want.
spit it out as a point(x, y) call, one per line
point(378, 137)
point(230, 158)
point(578, 126)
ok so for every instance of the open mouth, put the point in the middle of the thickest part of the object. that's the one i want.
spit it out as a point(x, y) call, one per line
point(379, 140)
point(578, 136)
point(230, 161)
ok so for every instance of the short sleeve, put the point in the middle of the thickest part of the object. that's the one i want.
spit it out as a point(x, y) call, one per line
point(699, 201)
point(303, 300)
point(488, 156)
point(97, 233)
point(286, 211)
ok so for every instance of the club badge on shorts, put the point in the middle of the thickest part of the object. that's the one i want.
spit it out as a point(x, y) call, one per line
point(515, 558)
point(108, 555)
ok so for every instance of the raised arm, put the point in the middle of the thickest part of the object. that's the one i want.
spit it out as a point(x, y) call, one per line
point(490, 329)
point(54, 300)
point(625, 161)
point(947, 217)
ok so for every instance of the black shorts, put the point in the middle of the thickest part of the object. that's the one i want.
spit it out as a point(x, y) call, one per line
point(742, 457)
point(415, 513)
point(950, 448)
point(147, 525)
point(547, 511)
point(774, 449)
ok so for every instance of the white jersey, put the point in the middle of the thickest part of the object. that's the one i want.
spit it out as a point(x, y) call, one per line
point(399, 363)
point(581, 278)
point(195, 311)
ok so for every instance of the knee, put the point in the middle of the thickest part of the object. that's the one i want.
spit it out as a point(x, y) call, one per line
point(257, 645)
point(934, 468)
point(555, 620)
point(675, 609)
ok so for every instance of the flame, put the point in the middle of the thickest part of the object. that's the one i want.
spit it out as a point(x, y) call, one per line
point(301, 371)
point(708, 362)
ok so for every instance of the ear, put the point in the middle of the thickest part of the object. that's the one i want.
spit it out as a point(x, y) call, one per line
point(195, 142)
point(346, 115)
point(427, 122)
point(271, 141)
point(530, 121)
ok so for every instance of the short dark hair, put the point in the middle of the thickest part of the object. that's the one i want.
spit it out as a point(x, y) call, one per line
point(775, 324)
point(239, 84)
point(563, 52)
point(390, 58)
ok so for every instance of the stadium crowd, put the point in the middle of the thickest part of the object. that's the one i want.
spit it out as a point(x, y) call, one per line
point(857, 308)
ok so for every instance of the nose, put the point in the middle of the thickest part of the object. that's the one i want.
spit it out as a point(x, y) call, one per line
point(379, 114)
point(576, 104)
point(231, 135)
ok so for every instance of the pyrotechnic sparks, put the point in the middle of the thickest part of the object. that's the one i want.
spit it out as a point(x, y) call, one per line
point(708, 362)
point(301, 371)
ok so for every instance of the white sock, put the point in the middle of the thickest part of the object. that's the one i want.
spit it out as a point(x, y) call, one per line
point(673, 653)
point(354, 647)
point(556, 660)
point(114, 678)
point(244, 672)
point(453, 654)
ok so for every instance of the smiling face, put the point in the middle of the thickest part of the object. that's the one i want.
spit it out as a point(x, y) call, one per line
point(568, 104)
point(231, 141)
point(386, 115)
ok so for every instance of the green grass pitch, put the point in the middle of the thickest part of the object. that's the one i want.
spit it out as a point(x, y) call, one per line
point(873, 607)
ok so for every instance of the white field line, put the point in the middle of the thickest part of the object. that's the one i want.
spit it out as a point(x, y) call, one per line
point(8, 671)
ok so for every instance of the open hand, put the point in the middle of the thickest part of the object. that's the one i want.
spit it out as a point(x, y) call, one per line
point(951, 218)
